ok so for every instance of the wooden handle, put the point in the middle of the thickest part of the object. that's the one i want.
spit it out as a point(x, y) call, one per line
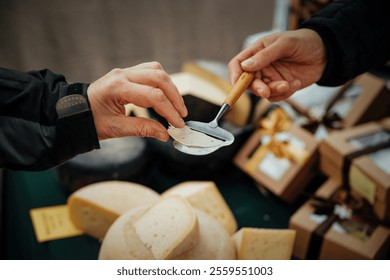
point(239, 87)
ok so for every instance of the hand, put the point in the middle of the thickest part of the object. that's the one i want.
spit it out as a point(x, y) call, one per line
point(145, 85)
point(284, 63)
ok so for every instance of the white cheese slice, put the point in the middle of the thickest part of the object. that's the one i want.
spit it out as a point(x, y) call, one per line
point(193, 138)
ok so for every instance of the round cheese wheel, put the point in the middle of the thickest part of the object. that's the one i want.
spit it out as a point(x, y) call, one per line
point(95, 207)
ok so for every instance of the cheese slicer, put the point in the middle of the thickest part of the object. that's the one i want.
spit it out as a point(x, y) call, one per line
point(212, 129)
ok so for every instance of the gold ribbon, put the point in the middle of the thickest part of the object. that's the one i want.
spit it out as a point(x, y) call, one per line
point(276, 121)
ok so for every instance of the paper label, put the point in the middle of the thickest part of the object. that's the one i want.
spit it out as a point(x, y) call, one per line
point(362, 184)
point(274, 167)
point(52, 223)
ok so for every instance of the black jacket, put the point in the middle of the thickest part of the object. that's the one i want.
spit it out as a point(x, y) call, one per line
point(356, 34)
point(32, 137)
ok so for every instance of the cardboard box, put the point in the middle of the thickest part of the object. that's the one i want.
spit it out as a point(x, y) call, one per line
point(284, 177)
point(339, 145)
point(335, 242)
point(362, 100)
point(359, 157)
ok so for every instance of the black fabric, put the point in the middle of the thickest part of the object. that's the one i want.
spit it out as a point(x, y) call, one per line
point(356, 34)
point(31, 137)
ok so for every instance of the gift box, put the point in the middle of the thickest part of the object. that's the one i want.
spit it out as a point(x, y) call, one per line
point(361, 100)
point(359, 157)
point(280, 156)
point(336, 224)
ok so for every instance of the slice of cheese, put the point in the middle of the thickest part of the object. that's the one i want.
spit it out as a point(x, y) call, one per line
point(264, 244)
point(95, 207)
point(193, 138)
point(214, 243)
point(205, 196)
point(168, 228)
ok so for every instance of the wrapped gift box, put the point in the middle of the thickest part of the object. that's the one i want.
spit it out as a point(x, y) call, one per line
point(359, 157)
point(284, 163)
point(336, 228)
point(362, 100)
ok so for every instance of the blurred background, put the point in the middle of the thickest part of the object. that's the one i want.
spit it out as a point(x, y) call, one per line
point(85, 39)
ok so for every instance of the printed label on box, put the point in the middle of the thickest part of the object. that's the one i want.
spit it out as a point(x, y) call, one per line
point(370, 140)
point(362, 184)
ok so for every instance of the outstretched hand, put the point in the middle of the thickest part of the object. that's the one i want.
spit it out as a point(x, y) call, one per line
point(146, 85)
point(284, 62)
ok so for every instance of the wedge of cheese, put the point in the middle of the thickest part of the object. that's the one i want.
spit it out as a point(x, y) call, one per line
point(95, 207)
point(121, 242)
point(215, 243)
point(264, 244)
point(168, 228)
point(163, 231)
point(205, 196)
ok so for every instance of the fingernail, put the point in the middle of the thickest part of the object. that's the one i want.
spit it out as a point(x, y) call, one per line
point(162, 136)
point(261, 92)
point(247, 63)
point(296, 84)
point(281, 87)
point(182, 123)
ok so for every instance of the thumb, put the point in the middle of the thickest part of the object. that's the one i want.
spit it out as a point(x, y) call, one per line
point(263, 57)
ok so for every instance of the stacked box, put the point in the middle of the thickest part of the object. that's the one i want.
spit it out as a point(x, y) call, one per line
point(360, 158)
point(324, 231)
point(283, 161)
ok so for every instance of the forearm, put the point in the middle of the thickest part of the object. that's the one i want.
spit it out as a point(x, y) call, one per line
point(32, 137)
point(356, 37)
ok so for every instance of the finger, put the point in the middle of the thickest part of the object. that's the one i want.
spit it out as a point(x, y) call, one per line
point(260, 88)
point(146, 96)
point(147, 65)
point(283, 87)
point(135, 126)
point(264, 57)
point(159, 79)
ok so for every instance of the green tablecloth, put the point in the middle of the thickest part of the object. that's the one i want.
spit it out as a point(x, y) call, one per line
point(27, 190)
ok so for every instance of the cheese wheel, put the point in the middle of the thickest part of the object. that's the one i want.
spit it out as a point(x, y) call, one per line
point(168, 228)
point(95, 207)
point(264, 244)
point(214, 243)
point(205, 196)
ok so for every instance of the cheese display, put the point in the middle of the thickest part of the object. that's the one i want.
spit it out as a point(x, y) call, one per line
point(95, 207)
point(205, 196)
point(264, 244)
point(214, 242)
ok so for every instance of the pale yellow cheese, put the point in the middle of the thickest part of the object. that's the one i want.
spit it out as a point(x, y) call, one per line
point(168, 228)
point(214, 243)
point(264, 244)
point(193, 138)
point(95, 207)
point(121, 242)
point(205, 196)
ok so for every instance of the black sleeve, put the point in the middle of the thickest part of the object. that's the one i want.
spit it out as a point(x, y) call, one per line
point(356, 34)
point(32, 137)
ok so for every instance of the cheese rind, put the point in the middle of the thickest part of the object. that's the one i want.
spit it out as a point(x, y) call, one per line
point(95, 207)
point(264, 244)
point(205, 196)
